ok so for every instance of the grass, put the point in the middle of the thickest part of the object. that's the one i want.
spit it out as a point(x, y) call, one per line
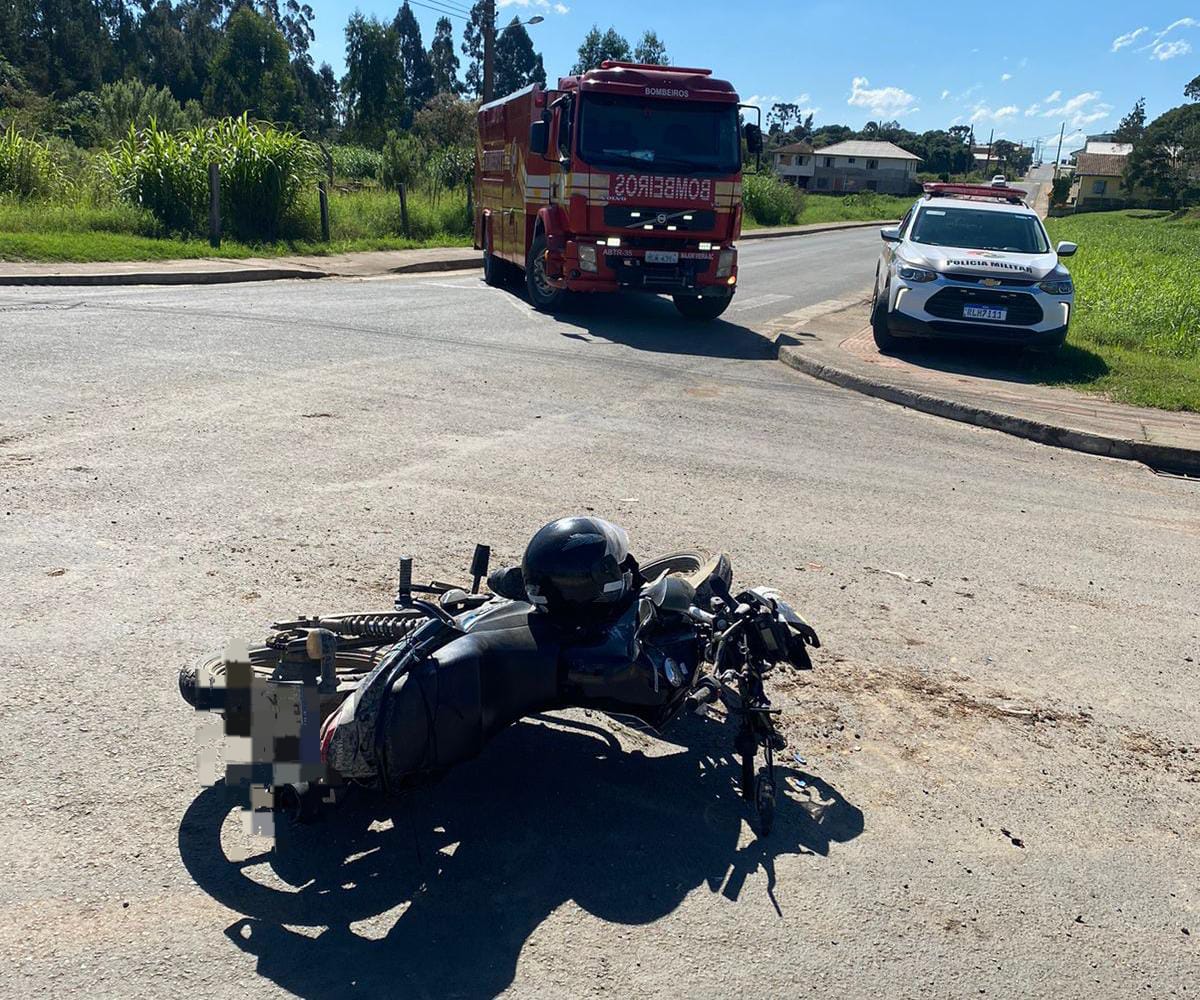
point(1135, 335)
point(819, 208)
point(367, 219)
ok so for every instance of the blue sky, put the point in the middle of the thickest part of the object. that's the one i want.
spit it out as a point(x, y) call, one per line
point(1022, 73)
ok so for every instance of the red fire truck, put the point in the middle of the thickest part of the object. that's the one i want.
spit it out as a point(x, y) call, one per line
point(627, 177)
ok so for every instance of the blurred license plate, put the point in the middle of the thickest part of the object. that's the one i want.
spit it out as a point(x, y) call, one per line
point(995, 313)
point(662, 257)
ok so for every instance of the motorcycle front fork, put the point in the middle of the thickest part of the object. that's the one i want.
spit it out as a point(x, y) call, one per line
point(758, 788)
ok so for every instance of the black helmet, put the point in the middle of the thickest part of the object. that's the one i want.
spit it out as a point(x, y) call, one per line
point(578, 569)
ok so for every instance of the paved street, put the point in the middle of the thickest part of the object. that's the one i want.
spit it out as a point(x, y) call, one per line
point(999, 777)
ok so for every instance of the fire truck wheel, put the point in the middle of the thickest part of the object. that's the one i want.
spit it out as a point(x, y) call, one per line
point(542, 295)
point(702, 307)
point(495, 270)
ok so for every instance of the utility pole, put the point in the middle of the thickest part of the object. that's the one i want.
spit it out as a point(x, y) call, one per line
point(489, 48)
point(1058, 155)
point(988, 166)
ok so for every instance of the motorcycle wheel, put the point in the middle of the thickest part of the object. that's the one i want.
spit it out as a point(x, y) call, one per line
point(764, 803)
point(673, 564)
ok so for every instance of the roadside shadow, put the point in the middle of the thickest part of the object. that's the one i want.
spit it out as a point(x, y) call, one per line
point(1070, 365)
point(652, 323)
point(461, 875)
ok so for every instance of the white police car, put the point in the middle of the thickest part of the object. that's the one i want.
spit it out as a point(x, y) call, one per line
point(972, 263)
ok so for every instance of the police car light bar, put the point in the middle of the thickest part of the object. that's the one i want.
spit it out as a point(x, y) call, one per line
point(1014, 196)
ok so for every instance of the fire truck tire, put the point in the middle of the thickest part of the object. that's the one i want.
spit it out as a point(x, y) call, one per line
point(543, 296)
point(702, 307)
point(495, 271)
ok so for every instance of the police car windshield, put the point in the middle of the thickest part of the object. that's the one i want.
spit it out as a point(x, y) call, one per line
point(979, 229)
point(659, 135)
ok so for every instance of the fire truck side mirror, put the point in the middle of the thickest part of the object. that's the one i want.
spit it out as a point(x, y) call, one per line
point(753, 136)
point(539, 138)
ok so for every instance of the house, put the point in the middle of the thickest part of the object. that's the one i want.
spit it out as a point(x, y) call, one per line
point(860, 165)
point(1097, 185)
point(794, 163)
point(1106, 143)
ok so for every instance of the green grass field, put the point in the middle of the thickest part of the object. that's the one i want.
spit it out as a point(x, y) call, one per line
point(1135, 335)
point(820, 208)
point(359, 220)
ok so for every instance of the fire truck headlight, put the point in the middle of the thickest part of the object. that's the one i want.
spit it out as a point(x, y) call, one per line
point(587, 257)
point(725, 263)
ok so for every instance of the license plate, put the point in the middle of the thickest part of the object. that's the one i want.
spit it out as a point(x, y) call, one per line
point(662, 257)
point(996, 314)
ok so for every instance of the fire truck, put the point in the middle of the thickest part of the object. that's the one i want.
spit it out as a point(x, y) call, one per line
point(626, 177)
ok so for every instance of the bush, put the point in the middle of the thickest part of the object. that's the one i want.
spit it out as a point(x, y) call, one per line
point(131, 102)
point(403, 161)
point(27, 167)
point(263, 170)
point(769, 201)
point(356, 163)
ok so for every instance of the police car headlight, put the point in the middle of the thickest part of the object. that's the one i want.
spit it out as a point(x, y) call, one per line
point(587, 257)
point(725, 263)
point(910, 273)
point(1057, 286)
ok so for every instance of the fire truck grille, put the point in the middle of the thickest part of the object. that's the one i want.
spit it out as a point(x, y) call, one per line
point(1023, 309)
point(659, 219)
point(633, 272)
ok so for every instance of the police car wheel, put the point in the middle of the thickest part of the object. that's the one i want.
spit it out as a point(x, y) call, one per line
point(879, 325)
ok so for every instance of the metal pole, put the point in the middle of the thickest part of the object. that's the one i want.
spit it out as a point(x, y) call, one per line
point(323, 196)
point(214, 204)
point(1058, 155)
point(489, 46)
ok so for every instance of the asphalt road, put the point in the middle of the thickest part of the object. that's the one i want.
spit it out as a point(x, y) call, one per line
point(1001, 776)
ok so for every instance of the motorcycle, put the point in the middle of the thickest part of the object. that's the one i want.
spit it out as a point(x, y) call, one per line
point(389, 700)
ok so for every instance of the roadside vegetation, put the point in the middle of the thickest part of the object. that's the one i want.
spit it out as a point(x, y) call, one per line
point(1135, 336)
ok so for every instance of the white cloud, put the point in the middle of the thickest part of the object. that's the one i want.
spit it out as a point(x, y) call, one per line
point(886, 102)
point(1032, 110)
point(558, 8)
point(1078, 111)
point(1005, 77)
point(983, 113)
point(1169, 50)
point(1128, 38)
point(945, 94)
point(1056, 96)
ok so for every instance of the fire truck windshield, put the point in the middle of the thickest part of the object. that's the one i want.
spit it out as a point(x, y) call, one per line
point(680, 136)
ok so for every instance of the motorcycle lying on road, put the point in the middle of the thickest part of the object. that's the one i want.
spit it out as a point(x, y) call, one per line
point(392, 699)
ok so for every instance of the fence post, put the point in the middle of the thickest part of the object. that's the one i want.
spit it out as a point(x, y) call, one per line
point(323, 195)
point(214, 204)
point(471, 205)
point(404, 212)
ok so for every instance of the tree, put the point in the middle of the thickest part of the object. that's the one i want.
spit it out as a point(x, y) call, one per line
point(651, 51)
point(1133, 124)
point(250, 71)
point(516, 63)
point(782, 117)
point(418, 74)
point(294, 20)
point(472, 48)
point(374, 82)
point(446, 121)
point(596, 48)
point(1166, 159)
point(443, 63)
point(1192, 90)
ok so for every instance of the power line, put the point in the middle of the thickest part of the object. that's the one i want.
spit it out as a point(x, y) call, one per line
point(447, 9)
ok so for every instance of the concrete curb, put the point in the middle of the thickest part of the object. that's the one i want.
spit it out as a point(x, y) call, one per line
point(163, 277)
point(1163, 458)
point(833, 227)
point(235, 275)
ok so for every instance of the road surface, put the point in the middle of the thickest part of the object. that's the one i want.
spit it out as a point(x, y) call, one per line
point(998, 777)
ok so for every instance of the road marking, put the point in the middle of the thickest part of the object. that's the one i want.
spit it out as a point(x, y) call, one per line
point(758, 300)
point(800, 317)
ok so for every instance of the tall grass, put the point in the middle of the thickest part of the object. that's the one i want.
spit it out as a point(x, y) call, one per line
point(263, 171)
point(769, 201)
point(356, 163)
point(27, 167)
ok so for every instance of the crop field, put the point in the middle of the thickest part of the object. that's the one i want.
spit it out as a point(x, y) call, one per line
point(1135, 335)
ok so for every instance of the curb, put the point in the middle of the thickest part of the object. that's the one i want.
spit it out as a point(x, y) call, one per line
point(1161, 458)
point(766, 234)
point(236, 275)
point(163, 277)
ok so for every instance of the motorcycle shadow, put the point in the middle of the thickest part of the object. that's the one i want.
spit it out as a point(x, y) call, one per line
point(554, 811)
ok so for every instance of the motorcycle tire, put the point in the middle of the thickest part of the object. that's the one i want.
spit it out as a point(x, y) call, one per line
point(764, 803)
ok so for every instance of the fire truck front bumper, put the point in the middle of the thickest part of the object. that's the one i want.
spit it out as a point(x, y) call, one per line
point(603, 265)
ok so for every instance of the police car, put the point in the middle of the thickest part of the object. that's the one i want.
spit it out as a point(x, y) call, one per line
point(972, 263)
